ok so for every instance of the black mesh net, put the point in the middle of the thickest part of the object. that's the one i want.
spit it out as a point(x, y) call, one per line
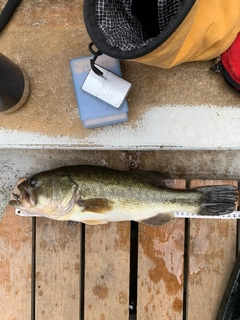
point(130, 24)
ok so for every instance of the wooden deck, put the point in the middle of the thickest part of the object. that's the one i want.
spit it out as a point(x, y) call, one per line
point(177, 271)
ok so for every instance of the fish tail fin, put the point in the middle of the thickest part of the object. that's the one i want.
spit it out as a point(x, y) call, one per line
point(217, 200)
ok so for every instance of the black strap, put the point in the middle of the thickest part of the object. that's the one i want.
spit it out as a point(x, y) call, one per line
point(7, 12)
point(229, 308)
point(92, 61)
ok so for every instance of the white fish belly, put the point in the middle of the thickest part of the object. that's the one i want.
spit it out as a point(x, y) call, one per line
point(135, 214)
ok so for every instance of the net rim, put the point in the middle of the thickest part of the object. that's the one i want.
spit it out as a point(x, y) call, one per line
point(100, 41)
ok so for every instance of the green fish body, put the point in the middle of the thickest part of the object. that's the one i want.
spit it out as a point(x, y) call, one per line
point(96, 195)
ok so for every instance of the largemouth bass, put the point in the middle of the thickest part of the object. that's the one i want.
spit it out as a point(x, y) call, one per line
point(97, 195)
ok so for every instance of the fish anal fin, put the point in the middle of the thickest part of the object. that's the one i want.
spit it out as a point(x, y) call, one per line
point(94, 222)
point(155, 177)
point(96, 205)
point(158, 220)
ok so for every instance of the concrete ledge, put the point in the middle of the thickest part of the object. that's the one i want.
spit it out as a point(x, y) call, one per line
point(176, 127)
point(186, 107)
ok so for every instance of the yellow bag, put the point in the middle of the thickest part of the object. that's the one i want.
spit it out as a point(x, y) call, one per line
point(162, 33)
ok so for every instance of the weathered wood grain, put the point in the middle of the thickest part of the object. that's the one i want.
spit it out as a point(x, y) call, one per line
point(160, 269)
point(212, 252)
point(57, 270)
point(15, 266)
point(107, 267)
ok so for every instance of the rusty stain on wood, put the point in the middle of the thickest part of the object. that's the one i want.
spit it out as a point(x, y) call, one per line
point(101, 291)
point(160, 265)
point(107, 271)
point(15, 266)
point(57, 269)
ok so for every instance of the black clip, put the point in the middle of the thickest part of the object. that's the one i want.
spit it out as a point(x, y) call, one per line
point(218, 65)
point(92, 61)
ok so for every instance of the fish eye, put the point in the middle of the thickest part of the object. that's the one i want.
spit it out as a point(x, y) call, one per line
point(15, 196)
point(33, 182)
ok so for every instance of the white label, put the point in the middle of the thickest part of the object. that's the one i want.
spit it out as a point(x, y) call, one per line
point(109, 87)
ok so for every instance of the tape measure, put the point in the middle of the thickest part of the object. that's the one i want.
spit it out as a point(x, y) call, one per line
point(233, 215)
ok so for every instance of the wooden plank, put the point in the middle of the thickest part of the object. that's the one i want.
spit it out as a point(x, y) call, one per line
point(58, 259)
point(160, 269)
point(107, 262)
point(15, 266)
point(212, 252)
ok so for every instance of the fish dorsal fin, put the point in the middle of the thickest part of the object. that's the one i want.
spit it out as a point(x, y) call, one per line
point(158, 220)
point(155, 177)
point(96, 205)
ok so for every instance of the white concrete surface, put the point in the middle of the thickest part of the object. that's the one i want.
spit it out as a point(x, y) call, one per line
point(170, 127)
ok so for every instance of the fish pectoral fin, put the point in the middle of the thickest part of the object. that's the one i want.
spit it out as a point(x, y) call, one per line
point(96, 205)
point(158, 220)
point(94, 222)
point(72, 224)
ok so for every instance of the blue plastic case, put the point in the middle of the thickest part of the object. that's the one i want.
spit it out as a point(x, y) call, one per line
point(93, 111)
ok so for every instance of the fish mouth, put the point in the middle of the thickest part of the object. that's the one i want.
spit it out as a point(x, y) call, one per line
point(24, 199)
point(23, 202)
